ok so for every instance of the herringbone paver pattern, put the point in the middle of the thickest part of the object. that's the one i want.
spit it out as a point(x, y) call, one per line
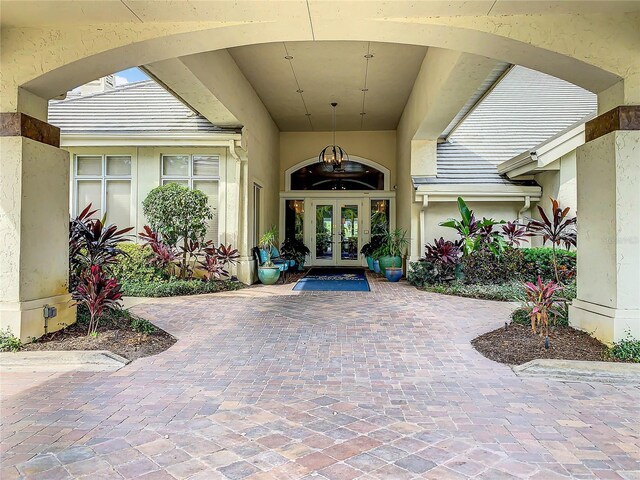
point(374, 385)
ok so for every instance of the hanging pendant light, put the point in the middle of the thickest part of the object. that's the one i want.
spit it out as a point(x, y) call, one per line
point(333, 155)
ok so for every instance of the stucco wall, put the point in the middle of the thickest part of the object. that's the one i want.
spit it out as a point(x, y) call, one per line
point(379, 147)
point(441, 211)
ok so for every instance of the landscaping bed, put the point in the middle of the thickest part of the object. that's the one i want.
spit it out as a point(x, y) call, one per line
point(176, 287)
point(516, 344)
point(118, 331)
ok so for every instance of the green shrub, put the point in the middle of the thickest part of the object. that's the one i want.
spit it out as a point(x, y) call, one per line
point(135, 265)
point(8, 341)
point(482, 266)
point(423, 273)
point(539, 261)
point(172, 288)
point(506, 292)
point(627, 350)
point(141, 325)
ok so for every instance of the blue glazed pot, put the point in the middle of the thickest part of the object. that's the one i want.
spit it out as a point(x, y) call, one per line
point(376, 266)
point(268, 275)
point(370, 263)
point(393, 274)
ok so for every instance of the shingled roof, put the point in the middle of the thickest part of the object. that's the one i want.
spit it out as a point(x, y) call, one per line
point(525, 109)
point(133, 109)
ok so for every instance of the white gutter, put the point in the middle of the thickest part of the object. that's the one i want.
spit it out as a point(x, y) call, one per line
point(151, 140)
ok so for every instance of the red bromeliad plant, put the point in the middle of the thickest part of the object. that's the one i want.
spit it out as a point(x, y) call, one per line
point(556, 228)
point(97, 291)
point(542, 303)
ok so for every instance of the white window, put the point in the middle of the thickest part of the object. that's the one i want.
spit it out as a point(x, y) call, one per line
point(201, 172)
point(105, 182)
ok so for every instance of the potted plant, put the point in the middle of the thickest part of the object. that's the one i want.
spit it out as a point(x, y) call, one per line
point(394, 246)
point(393, 274)
point(368, 249)
point(268, 273)
point(296, 250)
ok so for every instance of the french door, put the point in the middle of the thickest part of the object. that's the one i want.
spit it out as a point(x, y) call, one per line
point(336, 234)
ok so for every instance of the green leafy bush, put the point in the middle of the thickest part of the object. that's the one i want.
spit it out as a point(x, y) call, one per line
point(141, 325)
point(483, 266)
point(505, 292)
point(423, 273)
point(539, 261)
point(8, 341)
point(135, 264)
point(175, 287)
point(627, 349)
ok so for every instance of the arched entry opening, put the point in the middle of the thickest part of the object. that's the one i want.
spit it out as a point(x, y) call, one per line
point(335, 213)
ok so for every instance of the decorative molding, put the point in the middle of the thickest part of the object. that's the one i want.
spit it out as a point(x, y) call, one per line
point(17, 124)
point(623, 117)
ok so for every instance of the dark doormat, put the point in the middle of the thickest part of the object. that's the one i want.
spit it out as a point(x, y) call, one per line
point(334, 279)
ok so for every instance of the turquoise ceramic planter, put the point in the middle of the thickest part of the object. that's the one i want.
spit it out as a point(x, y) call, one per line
point(301, 266)
point(268, 275)
point(376, 266)
point(370, 263)
point(386, 262)
point(393, 274)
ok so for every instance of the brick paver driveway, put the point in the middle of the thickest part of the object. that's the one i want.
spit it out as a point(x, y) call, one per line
point(365, 385)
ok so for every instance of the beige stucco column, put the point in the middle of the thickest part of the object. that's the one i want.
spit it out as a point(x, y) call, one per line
point(34, 223)
point(608, 180)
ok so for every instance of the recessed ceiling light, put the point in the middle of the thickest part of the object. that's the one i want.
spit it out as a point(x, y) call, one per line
point(365, 89)
point(369, 55)
point(288, 57)
point(299, 91)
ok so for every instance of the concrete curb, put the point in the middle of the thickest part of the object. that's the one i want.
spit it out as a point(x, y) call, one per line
point(581, 371)
point(62, 361)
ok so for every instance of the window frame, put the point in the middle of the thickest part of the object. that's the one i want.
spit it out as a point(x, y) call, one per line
point(104, 178)
point(190, 177)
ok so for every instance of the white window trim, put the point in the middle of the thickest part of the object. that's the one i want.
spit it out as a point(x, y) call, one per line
point(190, 177)
point(103, 178)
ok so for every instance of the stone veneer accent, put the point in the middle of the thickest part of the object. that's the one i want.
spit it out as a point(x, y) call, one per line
point(624, 117)
point(16, 124)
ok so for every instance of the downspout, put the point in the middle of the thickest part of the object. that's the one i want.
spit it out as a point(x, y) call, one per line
point(526, 206)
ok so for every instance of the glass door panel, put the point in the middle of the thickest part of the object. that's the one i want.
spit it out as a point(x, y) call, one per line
point(324, 234)
point(349, 235)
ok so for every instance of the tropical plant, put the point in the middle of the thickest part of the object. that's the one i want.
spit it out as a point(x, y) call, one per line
point(542, 303)
point(91, 242)
point(137, 263)
point(216, 260)
point(368, 249)
point(178, 214)
point(484, 267)
point(475, 234)
point(267, 242)
point(164, 256)
point(294, 249)
point(442, 251)
point(397, 242)
point(97, 291)
point(422, 273)
point(556, 228)
point(539, 261)
point(514, 234)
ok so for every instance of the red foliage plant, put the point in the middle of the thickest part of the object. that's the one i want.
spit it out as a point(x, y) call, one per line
point(542, 303)
point(97, 291)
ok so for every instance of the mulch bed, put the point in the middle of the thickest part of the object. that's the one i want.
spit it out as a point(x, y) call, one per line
point(114, 334)
point(517, 344)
